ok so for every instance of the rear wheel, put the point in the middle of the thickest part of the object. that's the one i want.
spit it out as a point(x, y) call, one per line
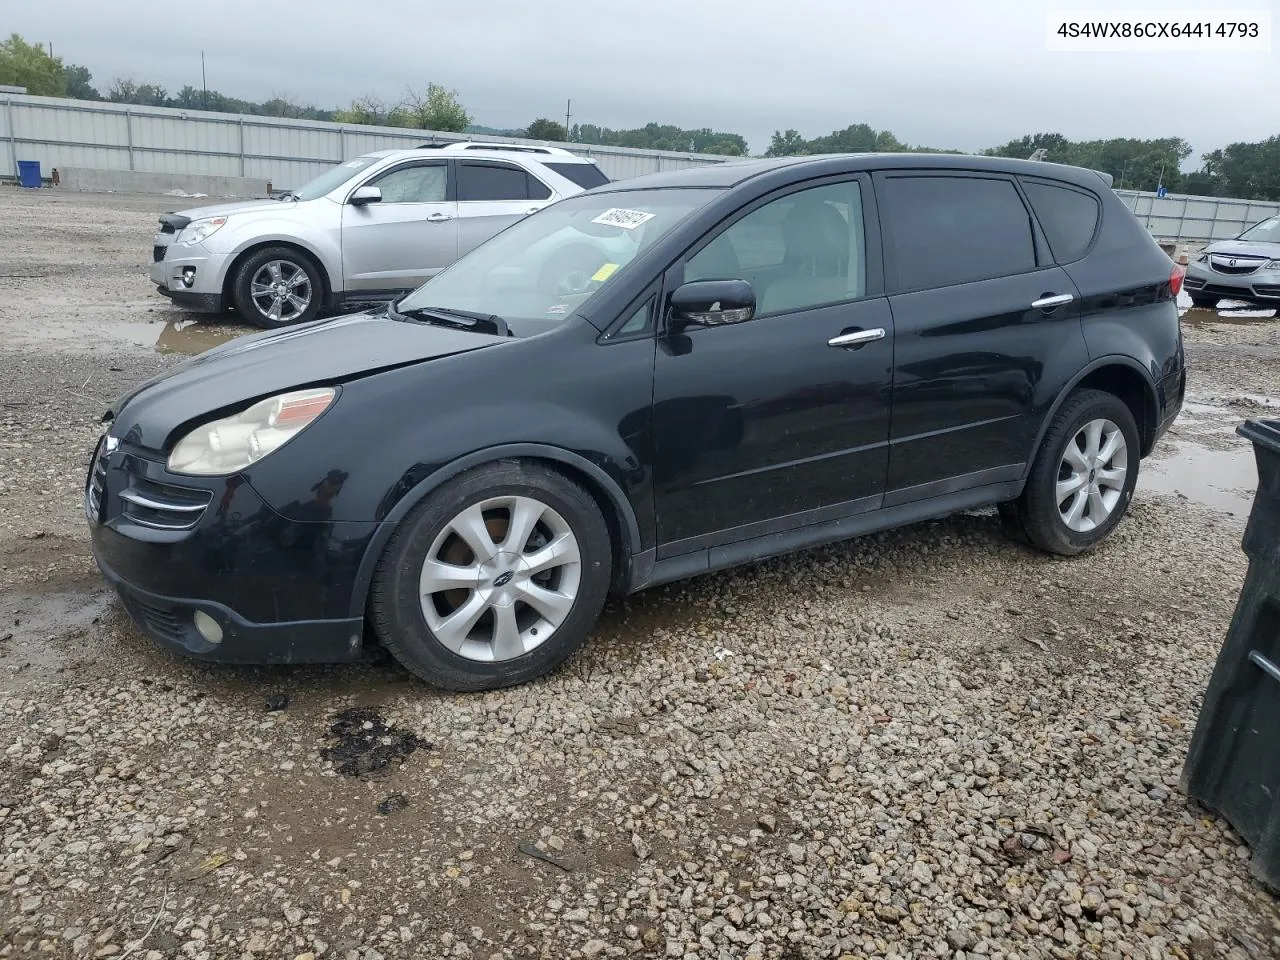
point(1083, 476)
point(277, 287)
point(495, 579)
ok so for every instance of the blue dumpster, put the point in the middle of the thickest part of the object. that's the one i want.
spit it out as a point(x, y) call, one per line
point(29, 173)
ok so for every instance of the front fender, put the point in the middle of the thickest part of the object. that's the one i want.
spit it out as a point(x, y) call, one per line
point(325, 245)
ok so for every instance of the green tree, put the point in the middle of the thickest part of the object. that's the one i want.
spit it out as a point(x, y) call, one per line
point(1247, 170)
point(436, 108)
point(788, 144)
point(369, 110)
point(544, 129)
point(80, 83)
point(24, 64)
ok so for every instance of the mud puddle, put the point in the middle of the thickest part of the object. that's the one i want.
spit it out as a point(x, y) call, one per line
point(179, 335)
point(1222, 479)
point(42, 635)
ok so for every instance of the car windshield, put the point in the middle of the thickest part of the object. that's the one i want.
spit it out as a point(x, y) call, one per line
point(333, 177)
point(540, 270)
point(1268, 231)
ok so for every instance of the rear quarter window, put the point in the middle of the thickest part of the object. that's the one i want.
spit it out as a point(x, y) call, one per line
point(585, 175)
point(1068, 217)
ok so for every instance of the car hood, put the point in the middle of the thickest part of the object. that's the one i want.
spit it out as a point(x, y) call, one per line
point(1244, 248)
point(256, 366)
point(226, 209)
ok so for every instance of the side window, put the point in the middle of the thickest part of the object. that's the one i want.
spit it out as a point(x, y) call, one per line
point(948, 230)
point(798, 251)
point(420, 183)
point(638, 322)
point(492, 181)
point(1068, 217)
point(537, 189)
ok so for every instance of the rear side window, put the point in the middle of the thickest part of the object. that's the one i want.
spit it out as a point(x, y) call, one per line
point(585, 175)
point(496, 181)
point(948, 230)
point(1068, 217)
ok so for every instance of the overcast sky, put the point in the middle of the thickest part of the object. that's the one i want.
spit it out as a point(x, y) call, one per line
point(936, 72)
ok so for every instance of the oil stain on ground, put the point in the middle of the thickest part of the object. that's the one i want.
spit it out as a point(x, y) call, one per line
point(364, 745)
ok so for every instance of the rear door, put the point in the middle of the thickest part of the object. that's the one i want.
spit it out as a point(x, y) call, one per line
point(408, 237)
point(492, 195)
point(987, 330)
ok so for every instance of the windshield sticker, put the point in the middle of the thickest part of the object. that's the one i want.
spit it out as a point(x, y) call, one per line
point(604, 273)
point(626, 219)
point(558, 308)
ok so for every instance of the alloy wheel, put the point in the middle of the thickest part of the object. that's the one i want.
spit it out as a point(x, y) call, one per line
point(281, 291)
point(1091, 475)
point(500, 578)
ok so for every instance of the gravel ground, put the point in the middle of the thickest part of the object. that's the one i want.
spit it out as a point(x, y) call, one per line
point(924, 743)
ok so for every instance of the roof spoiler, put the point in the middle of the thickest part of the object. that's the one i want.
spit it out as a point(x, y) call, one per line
point(1107, 178)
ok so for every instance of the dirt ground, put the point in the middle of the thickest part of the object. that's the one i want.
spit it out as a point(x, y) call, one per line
point(930, 742)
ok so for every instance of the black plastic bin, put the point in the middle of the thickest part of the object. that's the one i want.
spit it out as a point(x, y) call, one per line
point(1233, 764)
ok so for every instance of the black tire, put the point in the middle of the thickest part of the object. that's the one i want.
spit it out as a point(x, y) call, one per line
point(294, 263)
point(1034, 516)
point(395, 606)
point(1203, 302)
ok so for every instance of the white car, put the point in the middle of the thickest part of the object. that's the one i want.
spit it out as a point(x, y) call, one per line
point(368, 229)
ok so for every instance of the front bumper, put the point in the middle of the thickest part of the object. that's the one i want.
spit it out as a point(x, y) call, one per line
point(191, 276)
point(280, 590)
point(1261, 286)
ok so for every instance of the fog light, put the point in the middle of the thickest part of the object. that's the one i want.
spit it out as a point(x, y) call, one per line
point(188, 276)
point(208, 627)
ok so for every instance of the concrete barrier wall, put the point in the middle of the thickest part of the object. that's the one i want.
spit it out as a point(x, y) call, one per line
point(138, 181)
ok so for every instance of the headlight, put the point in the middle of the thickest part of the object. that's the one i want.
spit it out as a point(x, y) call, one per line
point(232, 443)
point(197, 231)
point(1272, 265)
point(1203, 258)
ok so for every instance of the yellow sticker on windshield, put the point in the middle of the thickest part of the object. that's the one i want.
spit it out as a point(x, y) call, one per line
point(604, 273)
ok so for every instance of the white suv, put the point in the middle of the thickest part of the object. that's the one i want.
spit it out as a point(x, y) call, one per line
point(368, 229)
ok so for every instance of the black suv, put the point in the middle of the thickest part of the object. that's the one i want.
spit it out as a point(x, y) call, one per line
point(653, 379)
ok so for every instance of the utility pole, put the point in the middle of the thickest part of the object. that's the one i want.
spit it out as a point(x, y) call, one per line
point(50, 49)
point(204, 83)
point(567, 105)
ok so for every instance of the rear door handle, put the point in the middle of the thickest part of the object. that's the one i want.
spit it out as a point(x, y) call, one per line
point(438, 218)
point(1052, 301)
point(857, 338)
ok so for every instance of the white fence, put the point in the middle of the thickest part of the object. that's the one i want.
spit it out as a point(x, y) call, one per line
point(1179, 217)
point(111, 136)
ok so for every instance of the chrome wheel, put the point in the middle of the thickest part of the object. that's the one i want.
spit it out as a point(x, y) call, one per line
point(500, 578)
point(281, 291)
point(1091, 475)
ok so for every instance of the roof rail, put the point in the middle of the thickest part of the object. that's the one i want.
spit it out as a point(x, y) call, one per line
point(459, 146)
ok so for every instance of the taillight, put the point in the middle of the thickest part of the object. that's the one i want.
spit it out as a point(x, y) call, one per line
point(1175, 278)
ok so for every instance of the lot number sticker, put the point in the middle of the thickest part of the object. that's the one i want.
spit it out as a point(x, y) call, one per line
point(626, 219)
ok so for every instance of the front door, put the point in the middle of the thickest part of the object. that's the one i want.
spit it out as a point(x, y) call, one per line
point(784, 419)
point(492, 195)
point(407, 237)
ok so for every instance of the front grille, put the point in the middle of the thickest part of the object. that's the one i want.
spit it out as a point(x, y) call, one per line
point(162, 506)
point(1267, 289)
point(157, 253)
point(1235, 266)
point(161, 620)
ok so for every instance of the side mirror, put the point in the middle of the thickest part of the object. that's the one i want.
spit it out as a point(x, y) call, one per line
point(364, 195)
point(713, 302)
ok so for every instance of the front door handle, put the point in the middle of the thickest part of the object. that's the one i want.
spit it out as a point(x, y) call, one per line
point(857, 338)
point(438, 218)
point(1052, 301)
point(533, 210)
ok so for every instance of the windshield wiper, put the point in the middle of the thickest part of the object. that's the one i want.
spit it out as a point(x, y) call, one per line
point(459, 319)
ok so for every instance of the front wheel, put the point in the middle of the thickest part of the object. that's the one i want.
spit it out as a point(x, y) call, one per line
point(277, 287)
point(1083, 476)
point(1202, 302)
point(495, 579)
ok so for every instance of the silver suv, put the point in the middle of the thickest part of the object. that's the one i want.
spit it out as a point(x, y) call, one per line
point(1246, 268)
point(368, 229)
